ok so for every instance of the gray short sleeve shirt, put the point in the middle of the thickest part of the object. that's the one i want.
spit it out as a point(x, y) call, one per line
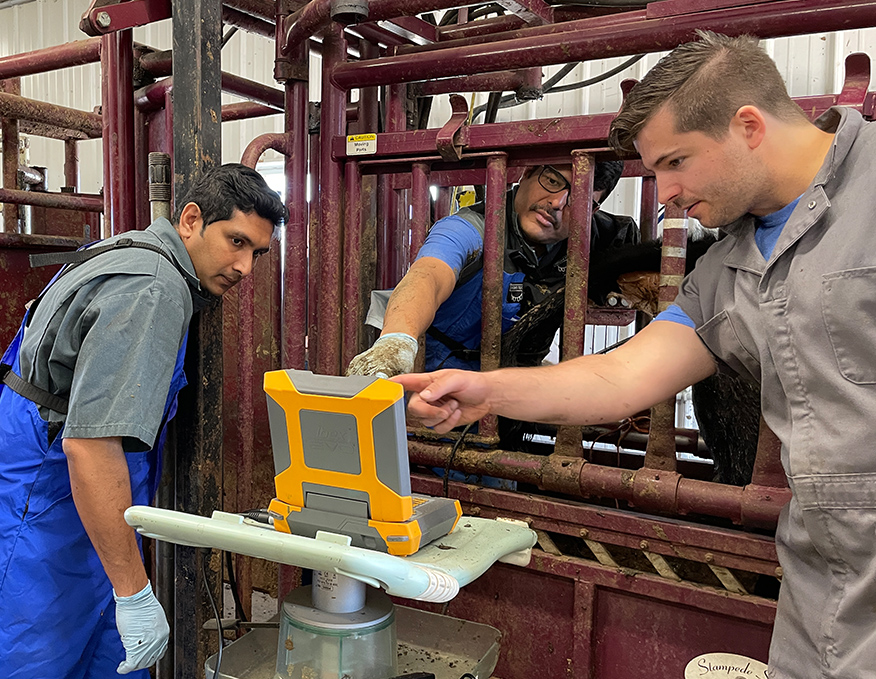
point(106, 336)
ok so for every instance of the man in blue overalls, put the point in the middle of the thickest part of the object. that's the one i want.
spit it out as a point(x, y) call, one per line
point(441, 293)
point(88, 385)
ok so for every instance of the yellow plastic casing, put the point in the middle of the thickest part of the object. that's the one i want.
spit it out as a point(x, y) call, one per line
point(386, 505)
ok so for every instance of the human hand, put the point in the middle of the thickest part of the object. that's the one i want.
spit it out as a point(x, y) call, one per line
point(143, 627)
point(447, 398)
point(391, 354)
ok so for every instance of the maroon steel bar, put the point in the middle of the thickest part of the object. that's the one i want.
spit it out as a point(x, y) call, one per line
point(494, 265)
point(648, 213)
point(117, 63)
point(332, 122)
point(71, 164)
point(294, 327)
point(674, 253)
point(590, 24)
point(508, 22)
point(505, 81)
point(245, 110)
point(315, 15)
point(420, 203)
point(580, 209)
point(247, 22)
point(65, 201)
point(391, 260)
point(314, 240)
point(9, 134)
point(442, 203)
point(50, 58)
point(753, 506)
point(263, 9)
point(22, 108)
point(255, 149)
point(769, 20)
point(153, 97)
point(352, 308)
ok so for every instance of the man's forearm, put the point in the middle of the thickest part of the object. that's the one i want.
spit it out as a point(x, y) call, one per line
point(415, 300)
point(101, 487)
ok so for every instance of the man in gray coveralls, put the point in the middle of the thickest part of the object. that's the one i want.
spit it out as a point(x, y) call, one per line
point(785, 299)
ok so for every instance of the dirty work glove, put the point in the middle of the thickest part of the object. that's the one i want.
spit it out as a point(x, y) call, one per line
point(143, 627)
point(391, 354)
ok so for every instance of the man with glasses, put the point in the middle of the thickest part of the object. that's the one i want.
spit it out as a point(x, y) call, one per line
point(441, 293)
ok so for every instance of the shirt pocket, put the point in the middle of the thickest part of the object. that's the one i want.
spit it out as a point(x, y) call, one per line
point(848, 306)
point(721, 338)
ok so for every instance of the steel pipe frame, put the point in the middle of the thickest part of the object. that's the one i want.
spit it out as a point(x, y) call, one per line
point(332, 122)
point(352, 311)
point(117, 107)
point(493, 268)
point(315, 16)
point(9, 134)
point(64, 201)
point(22, 108)
point(161, 64)
point(580, 43)
point(646, 489)
point(278, 141)
point(75, 53)
point(568, 440)
point(504, 81)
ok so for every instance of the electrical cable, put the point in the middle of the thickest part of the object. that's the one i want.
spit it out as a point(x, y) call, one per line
point(453, 450)
point(550, 86)
point(207, 553)
point(232, 582)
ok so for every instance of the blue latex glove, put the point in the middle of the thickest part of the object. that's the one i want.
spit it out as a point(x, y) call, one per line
point(143, 627)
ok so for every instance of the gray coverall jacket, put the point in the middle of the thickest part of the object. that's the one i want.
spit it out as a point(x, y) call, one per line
point(804, 325)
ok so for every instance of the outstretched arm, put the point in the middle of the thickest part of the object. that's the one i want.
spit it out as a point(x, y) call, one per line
point(409, 312)
point(656, 364)
point(415, 300)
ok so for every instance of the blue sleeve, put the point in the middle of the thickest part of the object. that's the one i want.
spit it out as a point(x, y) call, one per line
point(454, 241)
point(676, 315)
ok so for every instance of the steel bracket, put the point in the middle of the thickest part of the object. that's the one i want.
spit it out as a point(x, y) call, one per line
point(108, 16)
point(453, 137)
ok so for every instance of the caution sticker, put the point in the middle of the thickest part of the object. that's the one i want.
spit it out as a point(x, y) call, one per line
point(361, 144)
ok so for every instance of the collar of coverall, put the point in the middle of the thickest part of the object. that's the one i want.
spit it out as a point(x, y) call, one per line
point(171, 241)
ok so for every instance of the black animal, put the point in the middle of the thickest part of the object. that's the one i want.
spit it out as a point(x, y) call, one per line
point(727, 407)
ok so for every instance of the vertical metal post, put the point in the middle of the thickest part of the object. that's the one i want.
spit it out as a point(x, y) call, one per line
point(577, 268)
point(494, 265)
point(117, 111)
point(660, 452)
point(332, 123)
point(314, 240)
point(294, 327)
point(393, 231)
point(160, 185)
point(442, 203)
point(9, 132)
point(648, 226)
point(197, 146)
point(352, 307)
point(420, 201)
point(71, 164)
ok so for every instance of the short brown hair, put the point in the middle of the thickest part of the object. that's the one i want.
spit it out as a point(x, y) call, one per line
point(705, 82)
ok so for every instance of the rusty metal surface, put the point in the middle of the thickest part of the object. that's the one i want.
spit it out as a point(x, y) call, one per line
point(352, 309)
point(257, 147)
point(10, 140)
point(117, 106)
point(582, 42)
point(332, 122)
point(104, 16)
point(19, 283)
point(68, 201)
point(50, 58)
point(22, 108)
point(665, 492)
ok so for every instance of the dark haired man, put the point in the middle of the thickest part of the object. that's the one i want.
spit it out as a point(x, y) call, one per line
point(783, 299)
point(87, 386)
point(441, 293)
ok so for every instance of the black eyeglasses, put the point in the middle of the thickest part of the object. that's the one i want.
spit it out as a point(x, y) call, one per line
point(552, 181)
